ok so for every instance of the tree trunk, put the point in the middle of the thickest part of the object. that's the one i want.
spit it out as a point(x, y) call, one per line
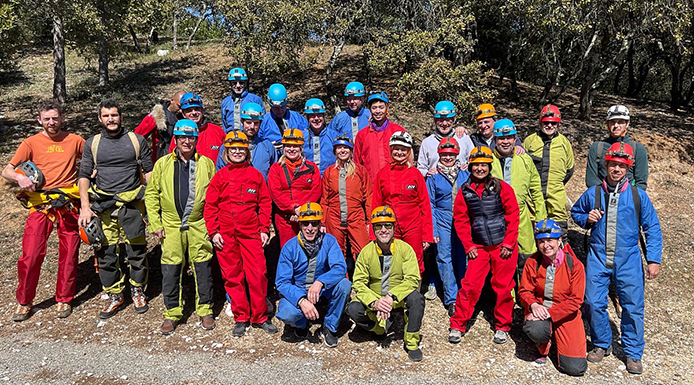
point(175, 31)
point(134, 36)
point(329, 68)
point(675, 91)
point(149, 40)
point(197, 25)
point(59, 89)
point(103, 63)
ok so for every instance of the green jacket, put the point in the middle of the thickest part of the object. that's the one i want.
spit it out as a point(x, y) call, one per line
point(159, 196)
point(526, 185)
point(404, 273)
point(554, 159)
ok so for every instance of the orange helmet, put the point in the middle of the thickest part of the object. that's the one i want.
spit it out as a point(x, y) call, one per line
point(620, 152)
point(383, 214)
point(236, 139)
point(310, 212)
point(293, 136)
point(485, 111)
point(550, 113)
point(481, 154)
point(93, 234)
point(448, 145)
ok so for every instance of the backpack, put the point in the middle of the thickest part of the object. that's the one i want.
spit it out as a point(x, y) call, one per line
point(133, 140)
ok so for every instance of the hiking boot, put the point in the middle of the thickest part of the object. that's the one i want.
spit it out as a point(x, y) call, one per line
point(240, 329)
point(168, 327)
point(267, 327)
point(329, 338)
point(301, 334)
point(540, 359)
point(597, 354)
point(21, 313)
point(454, 336)
point(500, 337)
point(634, 366)
point(451, 310)
point(415, 355)
point(63, 309)
point(207, 322)
point(115, 300)
point(431, 293)
point(139, 300)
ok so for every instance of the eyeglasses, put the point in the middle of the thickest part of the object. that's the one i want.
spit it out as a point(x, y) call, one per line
point(237, 149)
point(550, 123)
point(387, 226)
point(310, 223)
point(186, 138)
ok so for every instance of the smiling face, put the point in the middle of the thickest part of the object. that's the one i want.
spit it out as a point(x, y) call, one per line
point(237, 154)
point(384, 232)
point(549, 128)
point(480, 170)
point(399, 153)
point(378, 111)
point(51, 121)
point(238, 86)
point(193, 113)
point(292, 151)
point(549, 247)
point(316, 122)
point(445, 125)
point(310, 229)
point(617, 127)
point(616, 171)
point(505, 144)
point(485, 127)
point(186, 144)
point(447, 158)
point(343, 153)
point(110, 119)
point(354, 103)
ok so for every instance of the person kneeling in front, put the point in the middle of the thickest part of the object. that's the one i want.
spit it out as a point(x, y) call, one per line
point(386, 277)
point(312, 270)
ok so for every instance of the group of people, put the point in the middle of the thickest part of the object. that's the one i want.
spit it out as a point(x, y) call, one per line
point(354, 215)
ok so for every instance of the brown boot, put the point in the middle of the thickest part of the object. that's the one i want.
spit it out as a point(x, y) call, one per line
point(634, 366)
point(207, 322)
point(598, 353)
point(168, 327)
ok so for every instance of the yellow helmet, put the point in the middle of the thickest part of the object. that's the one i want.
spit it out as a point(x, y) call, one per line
point(310, 212)
point(293, 136)
point(236, 139)
point(485, 111)
point(383, 214)
point(481, 154)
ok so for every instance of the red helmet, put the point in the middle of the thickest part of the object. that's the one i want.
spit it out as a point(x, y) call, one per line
point(550, 113)
point(620, 152)
point(448, 145)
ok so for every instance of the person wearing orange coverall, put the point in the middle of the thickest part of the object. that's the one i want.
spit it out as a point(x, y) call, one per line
point(237, 216)
point(402, 187)
point(551, 291)
point(347, 191)
point(486, 218)
point(293, 181)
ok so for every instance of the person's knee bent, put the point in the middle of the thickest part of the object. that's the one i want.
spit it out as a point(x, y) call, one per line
point(539, 332)
point(355, 310)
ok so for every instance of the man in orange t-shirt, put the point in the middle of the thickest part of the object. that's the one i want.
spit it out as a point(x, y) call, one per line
point(55, 153)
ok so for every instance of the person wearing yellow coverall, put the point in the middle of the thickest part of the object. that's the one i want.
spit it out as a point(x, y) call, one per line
point(519, 171)
point(554, 160)
point(175, 200)
point(386, 277)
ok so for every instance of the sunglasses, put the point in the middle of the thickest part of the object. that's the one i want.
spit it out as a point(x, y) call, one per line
point(310, 223)
point(387, 226)
point(550, 123)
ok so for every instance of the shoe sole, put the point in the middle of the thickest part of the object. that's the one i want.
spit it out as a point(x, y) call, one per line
point(325, 341)
point(64, 314)
point(607, 353)
point(500, 342)
point(142, 309)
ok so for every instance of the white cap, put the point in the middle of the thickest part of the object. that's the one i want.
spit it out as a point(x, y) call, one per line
point(401, 138)
point(618, 111)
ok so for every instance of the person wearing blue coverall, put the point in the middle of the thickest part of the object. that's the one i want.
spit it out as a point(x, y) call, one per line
point(443, 187)
point(232, 104)
point(312, 270)
point(614, 254)
point(263, 153)
point(355, 117)
point(320, 137)
point(281, 118)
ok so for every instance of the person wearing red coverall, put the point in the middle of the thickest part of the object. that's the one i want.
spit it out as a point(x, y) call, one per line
point(347, 192)
point(402, 187)
point(211, 135)
point(293, 181)
point(371, 146)
point(486, 218)
point(160, 124)
point(237, 216)
point(551, 291)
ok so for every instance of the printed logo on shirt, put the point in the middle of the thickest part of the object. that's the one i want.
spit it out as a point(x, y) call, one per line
point(251, 190)
point(214, 147)
point(410, 187)
point(54, 148)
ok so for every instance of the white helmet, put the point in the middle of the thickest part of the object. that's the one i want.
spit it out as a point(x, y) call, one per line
point(401, 138)
point(618, 111)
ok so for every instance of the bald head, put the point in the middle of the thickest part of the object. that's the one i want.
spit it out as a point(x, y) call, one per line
point(176, 102)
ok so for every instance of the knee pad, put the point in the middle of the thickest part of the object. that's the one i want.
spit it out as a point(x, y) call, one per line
point(539, 332)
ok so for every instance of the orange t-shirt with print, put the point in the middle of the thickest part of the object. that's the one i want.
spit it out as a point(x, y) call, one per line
point(55, 157)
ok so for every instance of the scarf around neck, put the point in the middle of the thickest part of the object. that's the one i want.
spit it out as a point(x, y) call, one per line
point(311, 247)
point(450, 172)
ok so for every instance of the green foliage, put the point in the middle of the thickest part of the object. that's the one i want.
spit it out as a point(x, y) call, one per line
point(9, 33)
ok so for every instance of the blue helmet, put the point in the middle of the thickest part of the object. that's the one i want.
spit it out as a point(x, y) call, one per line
point(191, 99)
point(314, 106)
point(277, 95)
point(237, 74)
point(252, 111)
point(444, 109)
point(377, 96)
point(186, 127)
point(355, 89)
point(343, 140)
point(547, 228)
point(504, 127)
